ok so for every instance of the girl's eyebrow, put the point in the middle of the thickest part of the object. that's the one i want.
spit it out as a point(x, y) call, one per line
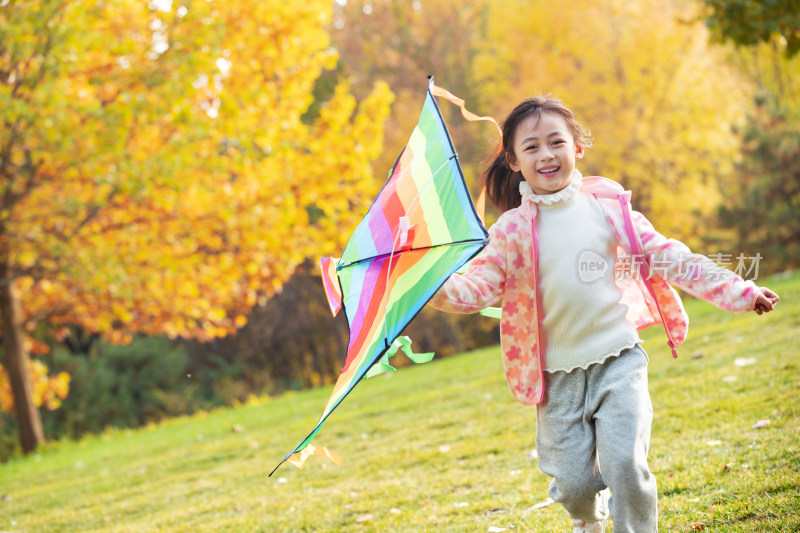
point(556, 133)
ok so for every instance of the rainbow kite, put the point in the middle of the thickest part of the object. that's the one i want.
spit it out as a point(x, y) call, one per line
point(422, 227)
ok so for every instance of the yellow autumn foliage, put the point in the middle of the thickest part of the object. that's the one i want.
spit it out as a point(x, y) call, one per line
point(660, 101)
point(48, 391)
point(161, 167)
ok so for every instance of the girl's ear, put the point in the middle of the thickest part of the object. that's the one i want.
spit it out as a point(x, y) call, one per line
point(578, 151)
point(512, 162)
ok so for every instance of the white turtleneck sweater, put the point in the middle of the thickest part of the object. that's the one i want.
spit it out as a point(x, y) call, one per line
point(584, 321)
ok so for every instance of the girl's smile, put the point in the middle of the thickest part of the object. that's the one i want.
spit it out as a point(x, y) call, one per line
point(545, 152)
point(549, 171)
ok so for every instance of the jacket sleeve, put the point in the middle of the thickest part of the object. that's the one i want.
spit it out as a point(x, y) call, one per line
point(482, 285)
point(694, 273)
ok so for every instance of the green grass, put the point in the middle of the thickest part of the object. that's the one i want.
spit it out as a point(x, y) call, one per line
point(441, 447)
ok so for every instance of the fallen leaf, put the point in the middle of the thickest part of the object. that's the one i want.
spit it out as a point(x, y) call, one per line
point(237, 428)
point(540, 505)
point(697, 355)
point(364, 519)
point(515, 472)
point(761, 424)
point(496, 511)
point(698, 528)
point(281, 480)
point(444, 448)
point(461, 504)
point(729, 379)
point(744, 361)
point(395, 510)
point(493, 529)
point(713, 443)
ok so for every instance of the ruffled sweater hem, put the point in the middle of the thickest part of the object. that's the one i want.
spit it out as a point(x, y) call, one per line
point(600, 360)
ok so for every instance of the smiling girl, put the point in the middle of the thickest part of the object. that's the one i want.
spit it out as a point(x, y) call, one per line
point(570, 343)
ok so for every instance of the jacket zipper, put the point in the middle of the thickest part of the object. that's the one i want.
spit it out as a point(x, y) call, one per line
point(539, 345)
point(636, 248)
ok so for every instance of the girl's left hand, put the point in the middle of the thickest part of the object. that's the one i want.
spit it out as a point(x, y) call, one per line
point(766, 300)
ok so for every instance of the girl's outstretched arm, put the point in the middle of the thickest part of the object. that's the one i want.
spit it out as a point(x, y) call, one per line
point(698, 275)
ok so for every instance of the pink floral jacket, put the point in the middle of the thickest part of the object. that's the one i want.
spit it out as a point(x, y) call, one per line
point(507, 270)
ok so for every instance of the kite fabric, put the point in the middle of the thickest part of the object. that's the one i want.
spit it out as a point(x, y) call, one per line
point(422, 228)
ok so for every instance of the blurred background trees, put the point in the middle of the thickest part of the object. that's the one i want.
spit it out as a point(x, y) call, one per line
point(761, 210)
point(172, 170)
point(158, 173)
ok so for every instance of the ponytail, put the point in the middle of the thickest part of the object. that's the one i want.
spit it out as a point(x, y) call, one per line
point(502, 183)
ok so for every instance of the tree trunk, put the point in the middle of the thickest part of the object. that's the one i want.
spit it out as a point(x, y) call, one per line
point(17, 364)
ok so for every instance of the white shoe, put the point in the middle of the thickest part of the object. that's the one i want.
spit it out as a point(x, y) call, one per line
point(589, 527)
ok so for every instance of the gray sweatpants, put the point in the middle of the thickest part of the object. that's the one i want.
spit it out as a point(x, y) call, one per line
point(593, 432)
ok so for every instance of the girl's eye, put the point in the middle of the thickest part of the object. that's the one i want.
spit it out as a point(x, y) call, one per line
point(558, 142)
point(531, 147)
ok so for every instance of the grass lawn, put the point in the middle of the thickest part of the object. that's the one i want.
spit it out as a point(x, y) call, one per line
point(442, 447)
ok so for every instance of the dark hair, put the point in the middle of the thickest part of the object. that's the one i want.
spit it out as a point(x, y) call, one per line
point(502, 183)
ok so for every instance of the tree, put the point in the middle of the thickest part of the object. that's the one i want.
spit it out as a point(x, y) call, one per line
point(403, 42)
point(158, 172)
point(641, 76)
point(763, 204)
point(749, 22)
point(47, 390)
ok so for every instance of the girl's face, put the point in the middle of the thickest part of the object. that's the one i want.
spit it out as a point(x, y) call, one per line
point(545, 152)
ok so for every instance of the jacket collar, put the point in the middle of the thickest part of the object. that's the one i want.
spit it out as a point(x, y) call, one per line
point(601, 185)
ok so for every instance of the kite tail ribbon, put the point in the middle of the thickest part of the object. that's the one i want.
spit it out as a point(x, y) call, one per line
point(299, 459)
point(400, 342)
point(469, 115)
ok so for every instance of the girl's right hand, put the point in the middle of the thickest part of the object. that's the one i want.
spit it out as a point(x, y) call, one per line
point(766, 300)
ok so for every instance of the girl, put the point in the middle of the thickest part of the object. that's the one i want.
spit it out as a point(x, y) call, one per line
point(570, 314)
